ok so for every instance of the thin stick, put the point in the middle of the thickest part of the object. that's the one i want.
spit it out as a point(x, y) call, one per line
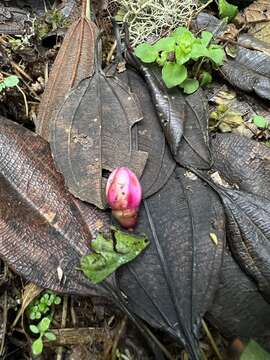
point(25, 100)
point(212, 341)
point(86, 9)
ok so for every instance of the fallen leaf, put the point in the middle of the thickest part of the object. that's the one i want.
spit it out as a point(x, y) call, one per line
point(172, 283)
point(150, 138)
point(42, 229)
point(239, 310)
point(253, 351)
point(257, 11)
point(109, 254)
point(88, 140)
point(67, 71)
point(184, 119)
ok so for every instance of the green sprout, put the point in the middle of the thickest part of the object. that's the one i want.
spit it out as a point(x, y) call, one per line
point(184, 58)
point(42, 329)
point(42, 305)
point(41, 310)
point(9, 82)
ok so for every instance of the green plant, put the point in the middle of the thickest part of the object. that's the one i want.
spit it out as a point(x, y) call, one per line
point(260, 122)
point(42, 329)
point(8, 82)
point(42, 305)
point(227, 10)
point(184, 58)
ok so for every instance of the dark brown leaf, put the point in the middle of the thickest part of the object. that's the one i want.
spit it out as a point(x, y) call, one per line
point(74, 62)
point(149, 137)
point(92, 133)
point(43, 232)
point(184, 119)
point(172, 284)
point(239, 310)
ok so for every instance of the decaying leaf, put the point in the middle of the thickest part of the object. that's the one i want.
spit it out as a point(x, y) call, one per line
point(92, 133)
point(74, 62)
point(247, 210)
point(172, 284)
point(150, 138)
point(184, 119)
point(243, 163)
point(43, 233)
point(257, 11)
point(250, 69)
point(239, 310)
point(109, 254)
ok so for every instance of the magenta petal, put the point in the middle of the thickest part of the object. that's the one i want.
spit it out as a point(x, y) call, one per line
point(123, 190)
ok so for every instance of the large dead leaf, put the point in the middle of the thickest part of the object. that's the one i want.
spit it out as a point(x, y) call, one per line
point(173, 282)
point(239, 310)
point(247, 210)
point(74, 62)
point(43, 232)
point(184, 119)
point(150, 138)
point(92, 133)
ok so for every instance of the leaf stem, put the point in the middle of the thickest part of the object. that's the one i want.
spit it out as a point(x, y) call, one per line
point(88, 9)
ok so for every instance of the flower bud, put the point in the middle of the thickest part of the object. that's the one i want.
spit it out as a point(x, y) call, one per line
point(124, 195)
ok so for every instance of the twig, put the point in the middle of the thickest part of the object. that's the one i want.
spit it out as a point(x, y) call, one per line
point(118, 336)
point(63, 325)
point(20, 70)
point(212, 341)
point(25, 100)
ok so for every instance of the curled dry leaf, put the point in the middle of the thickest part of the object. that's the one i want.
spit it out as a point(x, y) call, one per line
point(257, 11)
point(43, 232)
point(149, 137)
point(184, 119)
point(74, 62)
point(172, 284)
point(249, 70)
point(92, 133)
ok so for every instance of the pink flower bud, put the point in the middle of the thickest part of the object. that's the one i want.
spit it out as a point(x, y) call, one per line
point(124, 195)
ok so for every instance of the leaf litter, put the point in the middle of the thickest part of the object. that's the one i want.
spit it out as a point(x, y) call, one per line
point(138, 133)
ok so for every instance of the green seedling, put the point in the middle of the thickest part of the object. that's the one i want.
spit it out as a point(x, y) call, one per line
point(9, 82)
point(42, 329)
point(184, 58)
point(42, 305)
point(260, 122)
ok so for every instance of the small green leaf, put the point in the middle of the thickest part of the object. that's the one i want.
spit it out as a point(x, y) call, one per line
point(205, 78)
point(146, 52)
point(173, 74)
point(11, 81)
point(190, 86)
point(181, 56)
point(37, 346)
point(37, 315)
point(34, 329)
point(165, 44)
point(50, 336)
point(2, 86)
point(109, 256)
point(32, 315)
point(206, 38)
point(227, 10)
point(161, 60)
point(179, 31)
point(57, 300)
point(216, 54)
point(198, 50)
point(44, 324)
point(253, 351)
point(260, 122)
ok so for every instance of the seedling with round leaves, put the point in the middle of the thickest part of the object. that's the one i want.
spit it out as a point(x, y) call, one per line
point(42, 305)
point(41, 329)
point(184, 58)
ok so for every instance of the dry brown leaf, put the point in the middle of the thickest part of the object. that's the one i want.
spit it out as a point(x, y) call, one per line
point(74, 62)
point(256, 12)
